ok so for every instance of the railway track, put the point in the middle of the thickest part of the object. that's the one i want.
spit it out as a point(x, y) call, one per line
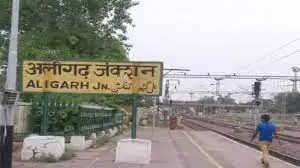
point(228, 130)
point(283, 137)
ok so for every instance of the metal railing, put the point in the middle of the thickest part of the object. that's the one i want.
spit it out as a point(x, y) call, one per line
point(64, 119)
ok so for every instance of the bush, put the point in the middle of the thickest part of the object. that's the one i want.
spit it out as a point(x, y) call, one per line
point(100, 141)
point(62, 119)
point(68, 155)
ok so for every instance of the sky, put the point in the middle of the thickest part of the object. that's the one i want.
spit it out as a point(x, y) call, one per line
point(219, 37)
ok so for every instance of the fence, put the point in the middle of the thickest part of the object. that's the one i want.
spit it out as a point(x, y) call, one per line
point(63, 119)
point(98, 118)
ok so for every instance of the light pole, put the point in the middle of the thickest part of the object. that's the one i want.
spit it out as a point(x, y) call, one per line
point(169, 96)
point(218, 85)
point(218, 95)
point(191, 95)
point(10, 93)
point(166, 72)
point(295, 70)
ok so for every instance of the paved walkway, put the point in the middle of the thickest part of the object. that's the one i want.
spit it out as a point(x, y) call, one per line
point(230, 154)
point(169, 150)
point(172, 149)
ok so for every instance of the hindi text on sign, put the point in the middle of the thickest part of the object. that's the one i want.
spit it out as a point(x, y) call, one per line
point(91, 77)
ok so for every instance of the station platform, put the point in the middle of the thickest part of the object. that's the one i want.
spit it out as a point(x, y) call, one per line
point(230, 154)
point(172, 149)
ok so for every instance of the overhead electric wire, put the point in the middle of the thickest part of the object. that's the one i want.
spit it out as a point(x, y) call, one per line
point(286, 56)
point(271, 54)
point(280, 58)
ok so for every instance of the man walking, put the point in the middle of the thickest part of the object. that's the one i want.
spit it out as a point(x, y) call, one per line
point(266, 131)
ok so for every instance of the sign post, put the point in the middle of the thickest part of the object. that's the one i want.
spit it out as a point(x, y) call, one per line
point(115, 78)
point(134, 117)
point(45, 101)
point(140, 78)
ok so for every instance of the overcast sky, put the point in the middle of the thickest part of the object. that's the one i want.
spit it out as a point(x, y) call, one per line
point(218, 36)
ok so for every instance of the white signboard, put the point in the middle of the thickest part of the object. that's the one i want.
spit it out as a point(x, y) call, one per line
point(135, 151)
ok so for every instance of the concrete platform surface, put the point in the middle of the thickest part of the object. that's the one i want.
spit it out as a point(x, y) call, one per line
point(230, 154)
point(170, 149)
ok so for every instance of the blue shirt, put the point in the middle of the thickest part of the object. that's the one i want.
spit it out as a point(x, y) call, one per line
point(266, 131)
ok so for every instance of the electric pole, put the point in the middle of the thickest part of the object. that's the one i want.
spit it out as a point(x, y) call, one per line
point(191, 95)
point(218, 85)
point(256, 90)
point(295, 80)
point(284, 106)
point(167, 92)
point(218, 95)
point(10, 93)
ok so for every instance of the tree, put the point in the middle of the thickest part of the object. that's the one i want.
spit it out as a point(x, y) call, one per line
point(226, 100)
point(5, 7)
point(207, 100)
point(106, 17)
point(91, 30)
point(222, 100)
point(95, 29)
point(288, 99)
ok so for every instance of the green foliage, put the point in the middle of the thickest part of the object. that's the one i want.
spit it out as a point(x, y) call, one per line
point(63, 119)
point(5, 6)
point(226, 100)
point(207, 100)
point(100, 141)
point(3, 53)
point(67, 119)
point(68, 155)
point(290, 100)
point(107, 18)
point(87, 49)
point(85, 30)
point(46, 159)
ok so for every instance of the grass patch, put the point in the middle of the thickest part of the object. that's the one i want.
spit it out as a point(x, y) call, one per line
point(68, 155)
point(100, 141)
point(46, 159)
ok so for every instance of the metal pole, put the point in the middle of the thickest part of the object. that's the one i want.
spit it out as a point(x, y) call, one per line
point(153, 114)
point(261, 109)
point(218, 87)
point(45, 102)
point(157, 99)
point(296, 80)
point(204, 113)
point(284, 106)
point(256, 117)
point(13, 49)
point(134, 117)
point(257, 111)
point(295, 70)
point(10, 94)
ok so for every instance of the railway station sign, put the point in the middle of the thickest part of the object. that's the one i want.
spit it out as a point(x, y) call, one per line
point(144, 78)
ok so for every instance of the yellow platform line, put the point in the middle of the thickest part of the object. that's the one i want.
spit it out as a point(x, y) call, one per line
point(211, 159)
